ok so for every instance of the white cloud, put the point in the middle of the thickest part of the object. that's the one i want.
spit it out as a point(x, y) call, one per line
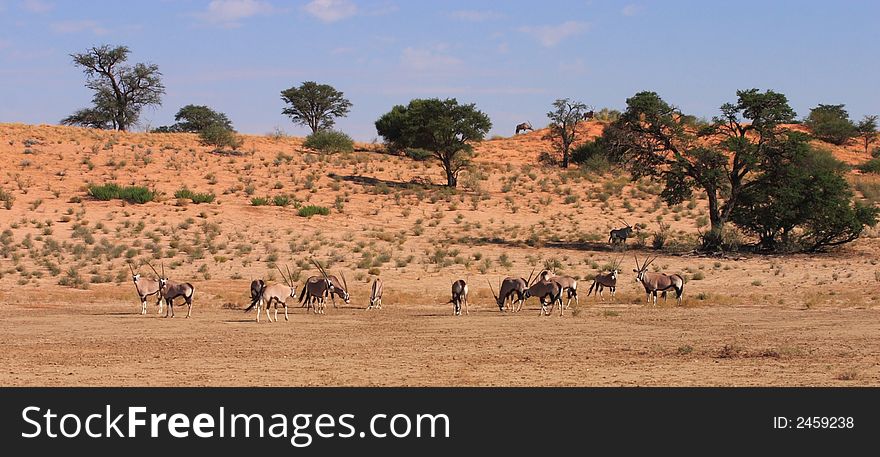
point(551, 35)
point(37, 6)
point(229, 13)
point(631, 9)
point(424, 59)
point(331, 10)
point(79, 26)
point(476, 16)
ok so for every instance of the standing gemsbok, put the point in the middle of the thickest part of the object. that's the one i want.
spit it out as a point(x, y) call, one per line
point(545, 289)
point(277, 294)
point(609, 280)
point(658, 282)
point(459, 297)
point(569, 285)
point(170, 290)
point(376, 294)
point(146, 287)
point(619, 236)
point(511, 291)
point(316, 290)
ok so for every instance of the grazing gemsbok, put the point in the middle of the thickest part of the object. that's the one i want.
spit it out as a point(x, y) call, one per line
point(511, 290)
point(609, 280)
point(569, 286)
point(523, 127)
point(170, 290)
point(620, 235)
point(316, 290)
point(376, 294)
point(544, 289)
point(277, 294)
point(654, 282)
point(459, 296)
point(146, 287)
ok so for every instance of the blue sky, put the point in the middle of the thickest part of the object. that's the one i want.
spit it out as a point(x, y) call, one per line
point(511, 58)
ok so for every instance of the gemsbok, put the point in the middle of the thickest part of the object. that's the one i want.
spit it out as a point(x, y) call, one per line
point(277, 294)
point(544, 289)
point(523, 127)
point(603, 280)
point(146, 287)
point(658, 282)
point(316, 290)
point(569, 286)
point(376, 294)
point(511, 291)
point(170, 290)
point(619, 236)
point(459, 297)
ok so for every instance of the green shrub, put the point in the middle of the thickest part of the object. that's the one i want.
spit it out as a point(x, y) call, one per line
point(220, 137)
point(281, 200)
point(131, 194)
point(418, 154)
point(329, 141)
point(260, 201)
point(831, 123)
point(7, 199)
point(312, 210)
point(871, 166)
point(186, 194)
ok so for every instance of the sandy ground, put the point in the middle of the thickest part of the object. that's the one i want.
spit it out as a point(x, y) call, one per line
point(69, 315)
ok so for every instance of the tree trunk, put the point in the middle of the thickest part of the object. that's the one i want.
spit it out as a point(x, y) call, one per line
point(565, 158)
point(712, 239)
point(451, 179)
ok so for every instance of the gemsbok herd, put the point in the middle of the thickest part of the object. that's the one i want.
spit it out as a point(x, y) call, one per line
point(512, 293)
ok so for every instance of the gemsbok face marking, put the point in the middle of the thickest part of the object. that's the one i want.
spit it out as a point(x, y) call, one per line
point(145, 287)
point(657, 282)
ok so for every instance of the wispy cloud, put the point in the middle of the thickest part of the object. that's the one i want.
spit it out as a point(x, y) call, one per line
point(631, 9)
point(428, 59)
point(37, 6)
point(551, 35)
point(476, 15)
point(230, 13)
point(85, 25)
point(331, 10)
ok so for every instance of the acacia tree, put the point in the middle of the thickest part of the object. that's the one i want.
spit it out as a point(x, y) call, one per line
point(867, 129)
point(121, 91)
point(653, 139)
point(831, 123)
point(443, 127)
point(564, 121)
point(315, 105)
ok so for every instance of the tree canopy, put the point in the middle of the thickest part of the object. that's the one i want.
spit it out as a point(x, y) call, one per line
point(564, 122)
point(831, 123)
point(443, 127)
point(315, 105)
point(121, 91)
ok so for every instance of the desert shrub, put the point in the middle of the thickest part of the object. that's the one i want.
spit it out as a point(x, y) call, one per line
point(260, 201)
point(871, 166)
point(661, 236)
point(186, 194)
point(220, 137)
point(7, 199)
point(281, 200)
point(329, 141)
point(131, 194)
point(313, 210)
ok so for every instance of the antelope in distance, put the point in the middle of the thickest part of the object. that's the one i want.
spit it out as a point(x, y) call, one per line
point(619, 236)
point(277, 294)
point(145, 287)
point(459, 296)
point(569, 286)
point(376, 294)
point(654, 282)
point(170, 290)
point(340, 289)
point(511, 291)
point(316, 289)
point(609, 280)
point(524, 127)
point(544, 289)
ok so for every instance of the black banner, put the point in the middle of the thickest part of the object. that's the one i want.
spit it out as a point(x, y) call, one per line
point(433, 421)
